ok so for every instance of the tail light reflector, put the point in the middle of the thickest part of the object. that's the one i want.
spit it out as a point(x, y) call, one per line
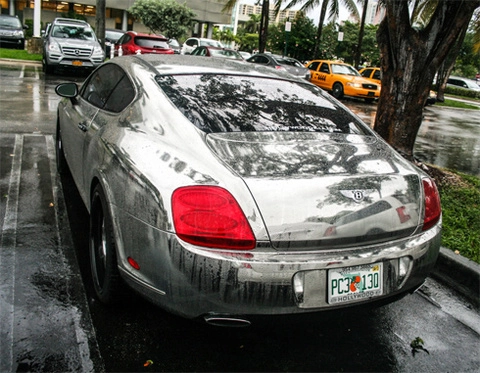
point(209, 216)
point(402, 215)
point(433, 209)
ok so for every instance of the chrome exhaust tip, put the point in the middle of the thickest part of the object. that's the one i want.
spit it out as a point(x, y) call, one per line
point(226, 321)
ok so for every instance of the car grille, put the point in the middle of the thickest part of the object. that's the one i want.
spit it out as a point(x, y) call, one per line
point(77, 52)
point(369, 86)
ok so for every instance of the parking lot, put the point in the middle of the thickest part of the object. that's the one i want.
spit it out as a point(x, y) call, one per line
point(50, 321)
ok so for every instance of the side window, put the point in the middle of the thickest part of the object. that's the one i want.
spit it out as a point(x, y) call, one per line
point(121, 96)
point(260, 59)
point(313, 66)
point(124, 39)
point(377, 75)
point(324, 68)
point(191, 42)
point(366, 73)
point(98, 88)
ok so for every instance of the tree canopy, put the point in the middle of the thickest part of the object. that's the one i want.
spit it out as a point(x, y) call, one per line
point(167, 17)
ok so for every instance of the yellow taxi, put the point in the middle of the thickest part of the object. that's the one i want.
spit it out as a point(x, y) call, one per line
point(342, 79)
point(373, 73)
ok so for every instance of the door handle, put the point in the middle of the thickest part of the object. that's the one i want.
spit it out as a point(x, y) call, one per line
point(83, 126)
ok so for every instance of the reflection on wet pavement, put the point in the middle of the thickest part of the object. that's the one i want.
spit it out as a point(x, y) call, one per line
point(448, 138)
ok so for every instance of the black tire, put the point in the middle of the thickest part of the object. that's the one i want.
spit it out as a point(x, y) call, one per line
point(369, 100)
point(62, 166)
point(103, 257)
point(47, 69)
point(337, 90)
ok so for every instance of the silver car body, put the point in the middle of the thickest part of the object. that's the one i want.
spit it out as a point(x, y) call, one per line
point(291, 185)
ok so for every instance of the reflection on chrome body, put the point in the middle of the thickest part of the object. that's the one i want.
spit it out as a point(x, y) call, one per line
point(294, 188)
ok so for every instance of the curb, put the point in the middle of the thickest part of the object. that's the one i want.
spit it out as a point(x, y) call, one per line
point(27, 62)
point(459, 273)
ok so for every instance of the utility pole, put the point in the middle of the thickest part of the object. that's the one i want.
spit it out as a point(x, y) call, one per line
point(100, 21)
point(288, 28)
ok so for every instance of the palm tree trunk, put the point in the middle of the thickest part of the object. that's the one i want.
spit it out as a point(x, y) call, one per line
point(262, 40)
point(323, 13)
point(358, 52)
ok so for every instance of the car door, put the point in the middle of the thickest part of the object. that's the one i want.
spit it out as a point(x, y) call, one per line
point(82, 118)
point(320, 71)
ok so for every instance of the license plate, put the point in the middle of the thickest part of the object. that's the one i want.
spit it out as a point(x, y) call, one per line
point(371, 93)
point(77, 63)
point(355, 283)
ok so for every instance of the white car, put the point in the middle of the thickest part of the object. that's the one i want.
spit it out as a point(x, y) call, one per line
point(191, 43)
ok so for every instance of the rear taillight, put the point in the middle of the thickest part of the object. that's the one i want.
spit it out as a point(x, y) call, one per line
point(433, 209)
point(209, 216)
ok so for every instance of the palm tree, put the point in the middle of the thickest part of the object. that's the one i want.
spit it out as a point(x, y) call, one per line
point(263, 31)
point(324, 5)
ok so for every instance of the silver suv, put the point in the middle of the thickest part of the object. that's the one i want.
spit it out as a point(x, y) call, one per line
point(71, 43)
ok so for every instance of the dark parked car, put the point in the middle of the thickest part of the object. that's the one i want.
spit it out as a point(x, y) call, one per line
point(217, 188)
point(111, 37)
point(12, 32)
point(133, 42)
point(289, 64)
point(209, 51)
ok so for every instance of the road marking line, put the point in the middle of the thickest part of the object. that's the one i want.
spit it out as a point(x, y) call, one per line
point(8, 244)
point(81, 337)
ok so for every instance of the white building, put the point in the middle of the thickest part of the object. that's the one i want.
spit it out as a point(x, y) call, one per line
point(208, 12)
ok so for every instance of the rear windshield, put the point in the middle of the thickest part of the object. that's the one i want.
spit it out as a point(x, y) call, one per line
point(226, 103)
point(151, 43)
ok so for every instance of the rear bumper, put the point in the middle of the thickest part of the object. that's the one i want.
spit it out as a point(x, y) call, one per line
point(193, 282)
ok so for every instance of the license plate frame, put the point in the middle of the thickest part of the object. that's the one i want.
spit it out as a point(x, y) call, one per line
point(355, 283)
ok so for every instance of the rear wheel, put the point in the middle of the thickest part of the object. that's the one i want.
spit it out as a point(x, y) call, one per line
point(337, 90)
point(47, 69)
point(103, 258)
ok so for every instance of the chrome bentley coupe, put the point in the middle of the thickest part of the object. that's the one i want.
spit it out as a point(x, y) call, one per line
point(221, 190)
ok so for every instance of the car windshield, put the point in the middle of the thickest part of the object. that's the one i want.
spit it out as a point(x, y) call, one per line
point(10, 22)
point(212, 43)
point(151, 42)
point(73, 32)
point(344, 70)
point(113, 35)
point(226, 103)
point(289, 62)
point(225, 54)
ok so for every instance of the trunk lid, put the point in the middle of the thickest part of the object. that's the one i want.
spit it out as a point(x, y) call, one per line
point(317, 190)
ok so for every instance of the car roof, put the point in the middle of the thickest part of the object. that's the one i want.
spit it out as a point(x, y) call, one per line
point(70, 20)
point(178, 64)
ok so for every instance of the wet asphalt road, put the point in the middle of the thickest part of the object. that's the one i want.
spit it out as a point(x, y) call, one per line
point(50, 321)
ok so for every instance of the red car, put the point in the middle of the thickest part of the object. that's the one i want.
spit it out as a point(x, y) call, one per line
point(137, 43)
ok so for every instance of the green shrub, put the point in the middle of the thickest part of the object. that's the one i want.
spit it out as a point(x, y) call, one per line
point(458, 91)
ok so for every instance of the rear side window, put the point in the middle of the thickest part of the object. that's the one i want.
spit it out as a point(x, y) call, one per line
point(225, 103)
point(108, 88)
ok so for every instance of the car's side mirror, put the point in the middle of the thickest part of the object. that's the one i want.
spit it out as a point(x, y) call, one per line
point(68, 90)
